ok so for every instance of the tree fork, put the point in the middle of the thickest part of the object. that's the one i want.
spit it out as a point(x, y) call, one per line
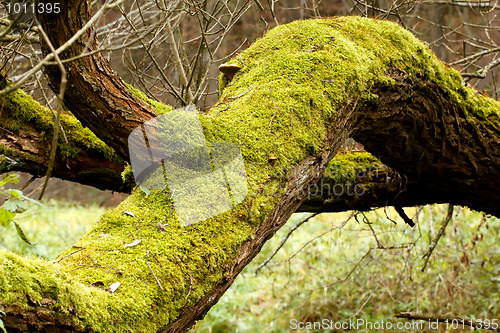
point(95, 94)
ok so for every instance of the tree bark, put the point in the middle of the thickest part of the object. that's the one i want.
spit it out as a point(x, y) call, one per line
point(95, 94)
point(446, 151)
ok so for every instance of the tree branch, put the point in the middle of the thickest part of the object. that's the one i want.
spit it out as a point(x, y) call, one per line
point(95, 95)
point(25, 137)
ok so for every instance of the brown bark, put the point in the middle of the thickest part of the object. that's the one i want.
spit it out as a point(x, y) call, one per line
point(41, 318)
point(94, 94)
point(446, 153)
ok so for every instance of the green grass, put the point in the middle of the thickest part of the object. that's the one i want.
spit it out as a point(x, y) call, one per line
point(327, 270)
point(53, 228)
point(340, 275)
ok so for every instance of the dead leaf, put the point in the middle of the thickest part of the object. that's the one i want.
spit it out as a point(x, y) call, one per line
point(129, 213)
point(134, 243)
point(113, 287)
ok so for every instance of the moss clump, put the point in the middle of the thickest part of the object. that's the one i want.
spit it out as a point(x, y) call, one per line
point(348, 167)
point(128, 175)
point(22, 113)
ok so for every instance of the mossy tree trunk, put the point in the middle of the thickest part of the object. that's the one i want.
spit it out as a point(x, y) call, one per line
point(303, 89)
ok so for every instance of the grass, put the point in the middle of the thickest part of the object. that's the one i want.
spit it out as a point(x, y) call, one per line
point(54, 227)
point(330, 270)
point(341, 275)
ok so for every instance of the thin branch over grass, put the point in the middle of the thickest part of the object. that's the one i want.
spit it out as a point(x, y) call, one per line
point(434, 243)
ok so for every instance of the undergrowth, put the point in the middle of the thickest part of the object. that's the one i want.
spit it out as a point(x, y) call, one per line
point(52, 227)
point(328, 269)
point(340, 274)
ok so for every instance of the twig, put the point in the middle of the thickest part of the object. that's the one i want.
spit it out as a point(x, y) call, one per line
point(155, 276)
point(309, 73)
point(364, 304)
point(62, 48)
point(153, 59)
point(69, 255)
point(483, 71)
point(57, 120)
point(475, 55)
point(227, 108)
point(275, 111)
point(178, 62)
point(348, 274)
point(283, 241)
point(28, 183)
point(403, 215)
point(434, 243)
point(242, 94)
point(190, 278)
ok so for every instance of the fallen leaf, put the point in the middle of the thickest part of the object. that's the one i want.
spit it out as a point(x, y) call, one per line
point(134, 243)
point(129, 213)
point(113, 287)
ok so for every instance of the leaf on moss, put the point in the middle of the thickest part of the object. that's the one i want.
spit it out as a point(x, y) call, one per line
point(134, 243)
point(113, 287)
point(145, 190)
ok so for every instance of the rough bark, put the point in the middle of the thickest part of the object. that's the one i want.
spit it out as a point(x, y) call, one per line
point(95, 94)
point(448, 153)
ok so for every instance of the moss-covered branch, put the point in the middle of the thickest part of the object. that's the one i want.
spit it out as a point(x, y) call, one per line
point(302, 90)
point(26, 134)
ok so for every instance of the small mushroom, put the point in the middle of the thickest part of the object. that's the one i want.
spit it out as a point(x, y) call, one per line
point(272, 159)
point(229, 70)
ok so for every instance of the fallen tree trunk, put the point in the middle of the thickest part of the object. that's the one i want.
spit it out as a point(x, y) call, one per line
point(312, 84)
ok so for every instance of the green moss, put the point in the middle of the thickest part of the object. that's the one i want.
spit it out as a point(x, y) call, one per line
point(160, 108)
point(345, 168)
point(82, 137)
point(128, 175)
point(21, 113)
point(292, 84)
point(25, 110)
